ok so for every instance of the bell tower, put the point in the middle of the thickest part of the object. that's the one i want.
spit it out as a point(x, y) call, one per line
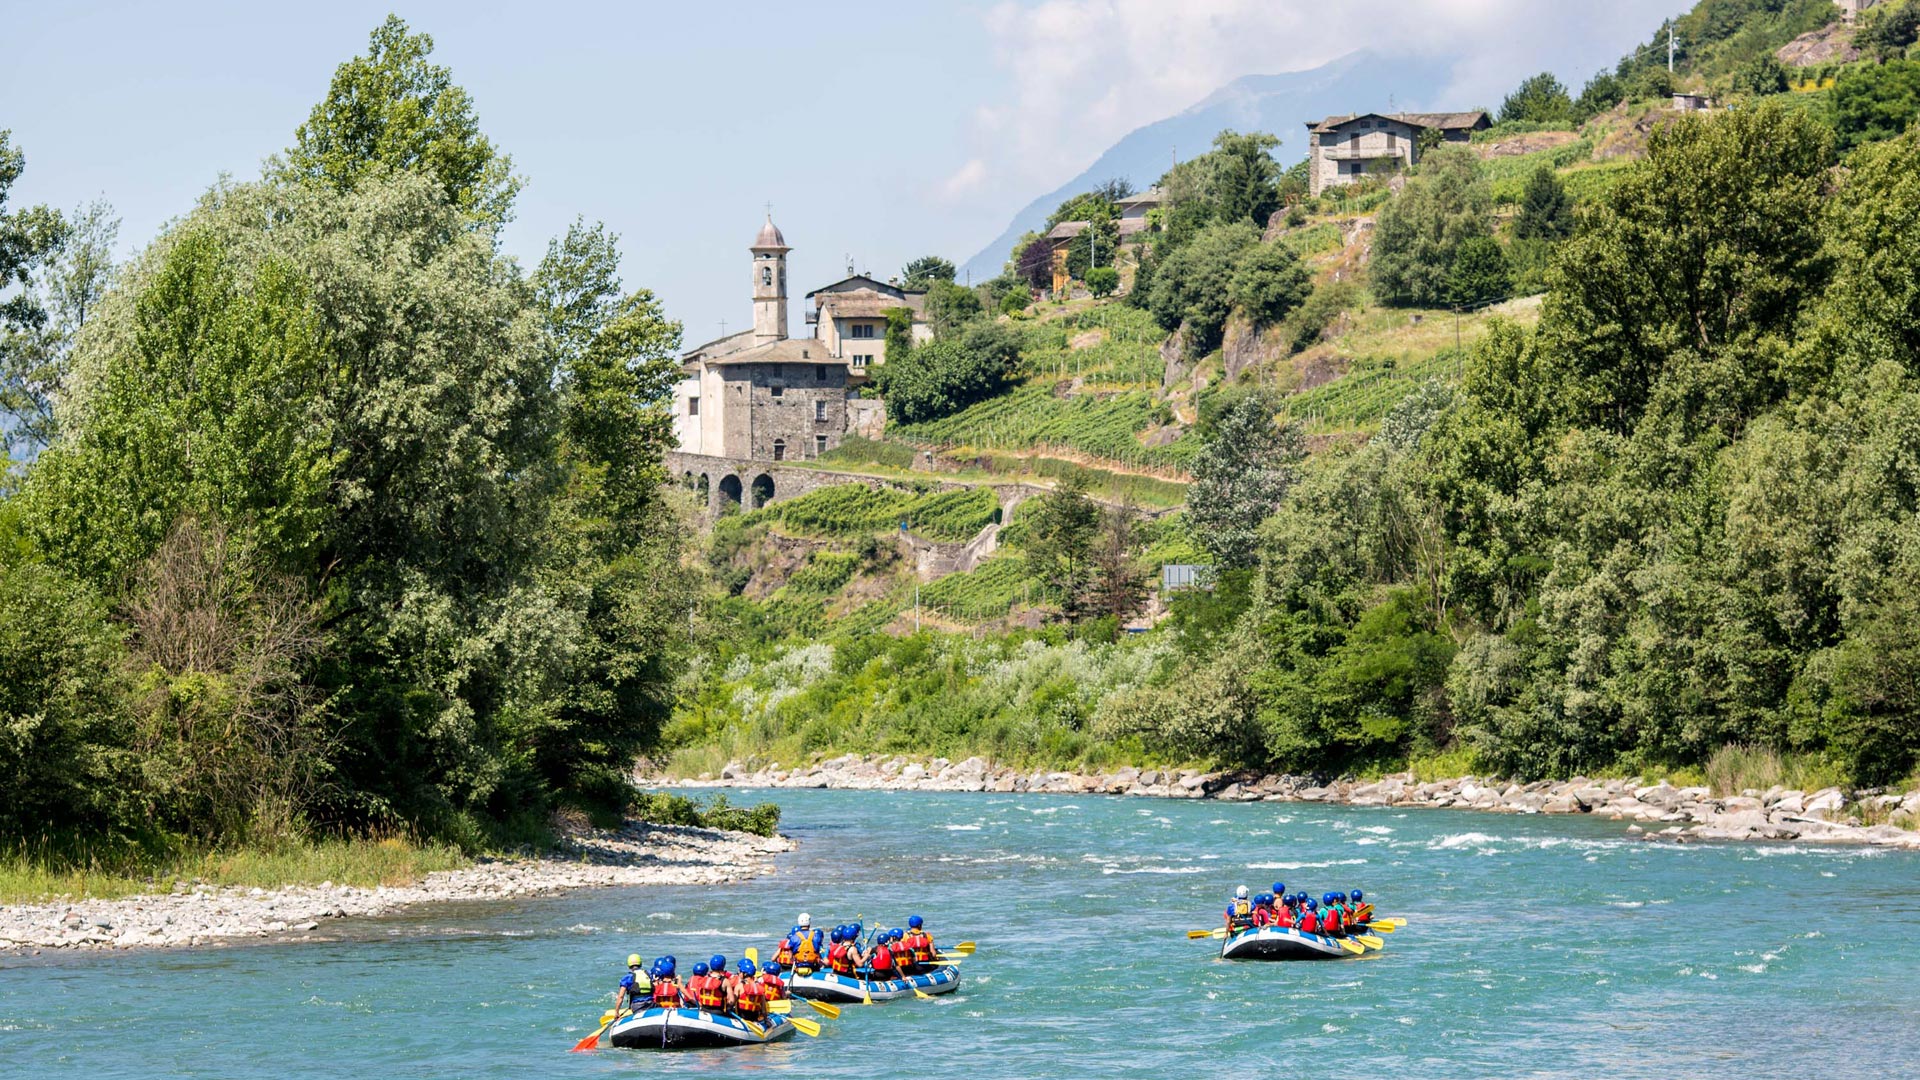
point(769, 283)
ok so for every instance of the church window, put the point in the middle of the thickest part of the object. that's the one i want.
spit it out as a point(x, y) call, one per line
point(777, 390)
point(820, 408)
point(693, 406)
point(766, 275)
point(779, 449)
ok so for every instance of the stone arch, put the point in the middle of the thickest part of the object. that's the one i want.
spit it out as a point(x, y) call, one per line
point(729, 490)
point(999, 515)
point(762, 491)
point(701, 486)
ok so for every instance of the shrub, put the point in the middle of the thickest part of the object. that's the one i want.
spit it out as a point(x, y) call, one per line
point(1541, 100)
point(666, 808)
point(1876, 102)
point(1268, 282)
point(1103, 280)
point(1193, 285)
point(1480, 273)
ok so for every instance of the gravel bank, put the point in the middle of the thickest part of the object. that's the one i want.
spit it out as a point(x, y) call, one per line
point(638, 854)
point(1659, 811)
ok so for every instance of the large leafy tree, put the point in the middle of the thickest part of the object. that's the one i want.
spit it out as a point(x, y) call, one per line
point(1546, 210)
point(1060, 545)
point(30, 238)
point(1420, 232)
point(1541, 99)
point(1877, 101)
point(926, 271)
point(1239, 478)
point(393, 110)
point(1193, 286)
point(1269, 281)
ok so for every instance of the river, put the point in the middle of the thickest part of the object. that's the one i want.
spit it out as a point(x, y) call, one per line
point(1543, 947)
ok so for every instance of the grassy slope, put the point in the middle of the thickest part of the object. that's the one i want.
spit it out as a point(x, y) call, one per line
point(360, 862)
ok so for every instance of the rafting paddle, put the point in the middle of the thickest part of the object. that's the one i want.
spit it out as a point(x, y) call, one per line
point(1369, 941)
point(593, 1040)
point(785, 1005)
point(1350, 945)
point(1195, 935)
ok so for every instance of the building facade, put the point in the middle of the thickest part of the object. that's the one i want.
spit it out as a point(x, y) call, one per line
point(1345, 149)
point(761, 395)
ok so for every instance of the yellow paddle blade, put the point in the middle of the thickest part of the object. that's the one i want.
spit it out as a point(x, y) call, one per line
point(758, 1031)
point(917, 992)
point(831, 1012)
point(1195, 935)
point(807, 1027)
point(1351, 945)
point(1384, 926)
point(1369, 941)
point(753, 954)
point(607, 1017)
point(966, 946)
point(782, 1007)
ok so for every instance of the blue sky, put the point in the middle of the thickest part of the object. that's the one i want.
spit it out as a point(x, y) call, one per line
point(878, 131)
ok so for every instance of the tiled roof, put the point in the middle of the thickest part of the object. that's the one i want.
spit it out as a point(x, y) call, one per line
point(784, 351)
point(1067, 230)
point(1445, 121)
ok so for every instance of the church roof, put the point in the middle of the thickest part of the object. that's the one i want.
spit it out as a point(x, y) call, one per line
point(769, 236)
point(855, 283)
point(720, 346)
point(784, 351)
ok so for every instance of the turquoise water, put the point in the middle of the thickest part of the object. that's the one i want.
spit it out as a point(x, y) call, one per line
point(1548, 947)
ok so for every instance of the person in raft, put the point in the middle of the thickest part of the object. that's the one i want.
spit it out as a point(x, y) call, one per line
point(919, 945)
point(807, 946)
point(881, 960)
point(843, 958)
point(770, 981)
point(636, 986)
point(746, 994)
point(1240, 911)
point(667, 991)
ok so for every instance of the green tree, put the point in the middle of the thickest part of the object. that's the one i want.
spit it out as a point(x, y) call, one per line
point(1480, 273)
point(391, 109)
point(1760, 76)
point(1118, 588)
point(1245, 179)
point(1541, 99)
point(943, 377)
point(1602, 92)
point(1269, 281)
point(926, 271)
point(1419, 233)
point(950, 308)
point(1876, 101)
point(899, 339)
point(29, 239)
point(1103, 280)
point(1546, 210)
point(1060, 544)
point(1193, 286)
point(1240, 477)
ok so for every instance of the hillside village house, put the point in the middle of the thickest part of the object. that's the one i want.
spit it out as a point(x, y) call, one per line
point(1344, 149)
point(761, 395)
point(1132, 223)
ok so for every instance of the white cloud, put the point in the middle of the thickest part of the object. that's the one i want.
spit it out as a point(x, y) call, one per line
point(1081, 73)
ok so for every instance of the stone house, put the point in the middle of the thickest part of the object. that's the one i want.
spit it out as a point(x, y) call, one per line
point(1344, 149)
point(850, 318)
point(759, 394)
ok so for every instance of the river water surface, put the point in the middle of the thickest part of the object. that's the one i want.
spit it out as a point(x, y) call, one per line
point(1538, 946)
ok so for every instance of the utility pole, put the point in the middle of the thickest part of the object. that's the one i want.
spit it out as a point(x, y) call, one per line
point(1670, 48)
point(916, 607)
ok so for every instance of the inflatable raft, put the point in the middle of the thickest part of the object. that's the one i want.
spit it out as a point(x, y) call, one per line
point(826, 986)
point(1277, 943)
point(693, 1029)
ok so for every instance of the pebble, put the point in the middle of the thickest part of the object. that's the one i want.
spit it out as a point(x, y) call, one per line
point(638, 853)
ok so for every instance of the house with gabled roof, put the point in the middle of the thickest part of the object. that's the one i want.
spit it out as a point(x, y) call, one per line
point(1345, 149)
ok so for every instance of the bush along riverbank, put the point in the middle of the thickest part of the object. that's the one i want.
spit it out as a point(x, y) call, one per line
point(1658, 810)
point(198, 913)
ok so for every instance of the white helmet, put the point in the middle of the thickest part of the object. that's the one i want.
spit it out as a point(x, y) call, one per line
point(806, 919)
point(1240, 893)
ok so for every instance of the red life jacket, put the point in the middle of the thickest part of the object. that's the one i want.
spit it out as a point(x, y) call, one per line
point(750, 999)
point(882, 963)
point(771, 985)
point(666, 992)
point(1310, 923)
point(840, 958)
point(710, 991)
point(1284, 918)
point(1331, 921)
point(922, 947)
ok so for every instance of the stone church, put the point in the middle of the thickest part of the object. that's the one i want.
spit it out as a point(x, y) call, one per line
point(761, 395)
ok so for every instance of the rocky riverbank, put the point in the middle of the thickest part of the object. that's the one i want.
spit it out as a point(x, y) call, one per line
point(1659, 811)
point(638, 854)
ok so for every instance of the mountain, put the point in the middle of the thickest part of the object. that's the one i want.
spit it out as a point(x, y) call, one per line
point(1281, 104)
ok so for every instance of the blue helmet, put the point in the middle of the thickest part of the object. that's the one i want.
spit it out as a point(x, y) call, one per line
point(716, 962)
point(834, 935)
point(858, 928)
point(915, 921)
point(746, 967)
point(1358, 896)
point(898, 933)
point(1279, 888)
point(699, 969)
point(773, 967)
point(1310, 904)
